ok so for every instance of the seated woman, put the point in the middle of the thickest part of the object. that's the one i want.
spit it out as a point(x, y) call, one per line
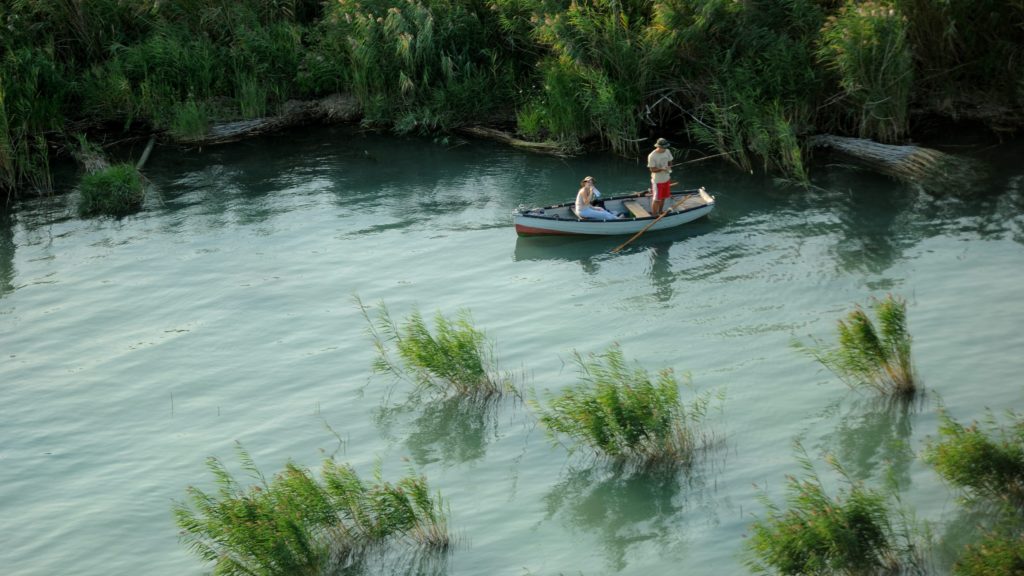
point(584, 199)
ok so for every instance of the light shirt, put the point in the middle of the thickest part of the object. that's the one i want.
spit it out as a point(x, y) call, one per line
point(662, 159)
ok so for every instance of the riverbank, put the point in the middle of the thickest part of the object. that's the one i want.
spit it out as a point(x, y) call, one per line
point(745, 81)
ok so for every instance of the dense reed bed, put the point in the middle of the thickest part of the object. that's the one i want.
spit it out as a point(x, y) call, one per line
point(746, 80)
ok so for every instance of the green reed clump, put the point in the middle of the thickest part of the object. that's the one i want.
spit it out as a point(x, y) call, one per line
point(866, 45)
point(850, 533)
point(295, 524)
point(876, 357)
point(454, 359)
point(620, 413)
point(996, 554)
point(113, 191)
point(986, 464)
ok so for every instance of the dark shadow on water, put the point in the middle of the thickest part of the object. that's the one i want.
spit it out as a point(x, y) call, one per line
point(630, 509)
point(7, 271)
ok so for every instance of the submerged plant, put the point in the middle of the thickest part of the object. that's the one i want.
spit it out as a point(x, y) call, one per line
point(114, 191)
point(850, 533)
point(869, 356)
point(294, 524)
point(455, 359)
point(620, 413)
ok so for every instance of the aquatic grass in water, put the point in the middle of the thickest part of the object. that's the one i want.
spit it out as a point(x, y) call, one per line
point(294, 524)
point(620, 413)
point(114, 191)
point(851, 533)
point(984, 464)
point(455, 359)
point(876, 357)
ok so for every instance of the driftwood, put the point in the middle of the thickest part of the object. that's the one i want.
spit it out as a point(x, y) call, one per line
point(336, 108)
point(552, 148)
point(935, 171)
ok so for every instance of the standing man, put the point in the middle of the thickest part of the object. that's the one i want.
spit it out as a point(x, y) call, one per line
point(659, 162)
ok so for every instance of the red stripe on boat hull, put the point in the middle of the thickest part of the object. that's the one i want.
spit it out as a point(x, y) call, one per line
point(531, 231)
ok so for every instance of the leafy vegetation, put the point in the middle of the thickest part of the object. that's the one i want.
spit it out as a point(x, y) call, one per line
point(876, 357)
point(987, 464)
point(113, 191)
point(456, 359)
point(747, 80)
point(295, 524)
point(852, 532)
point(620, 413)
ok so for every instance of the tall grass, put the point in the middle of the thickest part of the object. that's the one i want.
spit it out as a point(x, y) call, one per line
point(295, 524)
point(619, 413)
point(866, 45)
point(858, 531)
point(870, 356)
point(986, 463)
point(455, 359)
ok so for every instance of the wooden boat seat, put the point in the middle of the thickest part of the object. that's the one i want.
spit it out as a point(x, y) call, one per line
point(636, 209)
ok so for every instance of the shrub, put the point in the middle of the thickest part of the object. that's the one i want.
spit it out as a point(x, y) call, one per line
point(866, 44)
point(113, 191)
point(295, 524)
point(995, 555)
point(456, 359)
point(986, 464)
point(866, 356)
point(619, 413)
point(850, 533)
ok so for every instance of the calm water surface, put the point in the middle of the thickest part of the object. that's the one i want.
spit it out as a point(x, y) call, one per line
point(132, 350)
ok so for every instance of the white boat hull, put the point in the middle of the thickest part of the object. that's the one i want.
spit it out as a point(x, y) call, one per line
point(560, 219)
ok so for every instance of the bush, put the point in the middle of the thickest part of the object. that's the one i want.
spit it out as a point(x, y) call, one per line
point(295, 524)
point(866, 356)
point(457, 359)
point(866, 44)
point(619, 413)
point(113, 191)
point(987, 465)
point(850, 533)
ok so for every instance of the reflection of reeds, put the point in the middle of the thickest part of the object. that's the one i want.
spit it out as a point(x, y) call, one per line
point(866, 356)
point(618, 412)
point(454, 359)
point(294, 524)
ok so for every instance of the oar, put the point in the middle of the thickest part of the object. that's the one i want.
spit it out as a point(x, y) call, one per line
point(655, 221)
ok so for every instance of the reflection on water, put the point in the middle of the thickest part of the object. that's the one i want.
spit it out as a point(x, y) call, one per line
point(448, 430)
point(872, 439)
point(6, 252)
point(632, 512)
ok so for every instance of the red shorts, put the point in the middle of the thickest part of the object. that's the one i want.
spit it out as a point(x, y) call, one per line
point(662, 190)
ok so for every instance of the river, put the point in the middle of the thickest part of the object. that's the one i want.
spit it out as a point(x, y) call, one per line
point(224, 312)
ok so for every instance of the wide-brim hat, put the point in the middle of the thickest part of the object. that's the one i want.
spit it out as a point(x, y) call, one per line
point(661, 143)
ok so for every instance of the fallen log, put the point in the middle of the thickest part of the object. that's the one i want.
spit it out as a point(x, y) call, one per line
point(336, 108)
point(937, 172)
point(548, 147)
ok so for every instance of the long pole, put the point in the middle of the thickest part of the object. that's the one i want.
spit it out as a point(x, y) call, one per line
point(655, 221)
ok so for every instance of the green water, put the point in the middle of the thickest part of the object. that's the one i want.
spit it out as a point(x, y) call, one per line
point(132, 350)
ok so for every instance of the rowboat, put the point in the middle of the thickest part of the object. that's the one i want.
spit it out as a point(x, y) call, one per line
point(689, 205)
